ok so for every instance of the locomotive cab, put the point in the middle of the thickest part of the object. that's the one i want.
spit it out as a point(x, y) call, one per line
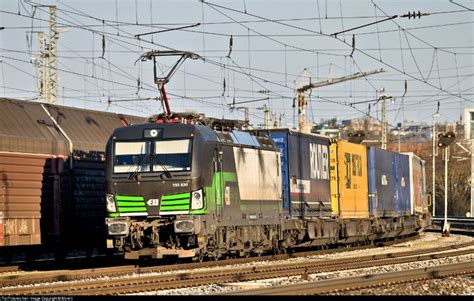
point(154, 188)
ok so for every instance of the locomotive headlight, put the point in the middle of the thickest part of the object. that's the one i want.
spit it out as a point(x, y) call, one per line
point(118, 226)
point(197, 201)
point(184, 226)
point(110, 203)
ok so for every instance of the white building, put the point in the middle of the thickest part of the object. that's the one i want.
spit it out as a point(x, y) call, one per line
point(469, 135)
point(469, 123)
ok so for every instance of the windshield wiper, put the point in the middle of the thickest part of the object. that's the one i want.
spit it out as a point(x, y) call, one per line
point(165, 172)
point(134, 174)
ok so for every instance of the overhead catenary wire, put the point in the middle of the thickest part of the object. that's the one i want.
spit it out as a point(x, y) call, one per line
point(147, 41)
point(254, 67)
point(363, 52)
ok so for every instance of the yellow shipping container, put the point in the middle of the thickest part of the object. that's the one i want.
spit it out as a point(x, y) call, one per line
point(349, 187)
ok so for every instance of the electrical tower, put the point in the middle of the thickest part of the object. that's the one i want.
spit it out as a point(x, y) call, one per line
point(47, 61)
point(52, 90)
point(41, 68)
point(384, 98)
point(384, 118)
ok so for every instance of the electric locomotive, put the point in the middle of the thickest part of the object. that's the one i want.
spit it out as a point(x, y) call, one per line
point(189, 191)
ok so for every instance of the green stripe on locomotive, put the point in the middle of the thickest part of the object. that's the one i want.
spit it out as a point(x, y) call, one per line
point(129, 204)
point(214, 193)
point(175, 202)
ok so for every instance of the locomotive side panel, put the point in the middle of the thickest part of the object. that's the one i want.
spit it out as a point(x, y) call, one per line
point(258, 174)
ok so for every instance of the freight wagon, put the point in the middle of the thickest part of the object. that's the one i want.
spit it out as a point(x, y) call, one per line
point(52, 176)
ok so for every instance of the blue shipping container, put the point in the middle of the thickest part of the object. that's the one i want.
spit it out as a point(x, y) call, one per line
point(389, 183)
point(305, 173)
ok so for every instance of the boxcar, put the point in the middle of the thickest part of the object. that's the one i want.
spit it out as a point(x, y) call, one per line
point(52, 175)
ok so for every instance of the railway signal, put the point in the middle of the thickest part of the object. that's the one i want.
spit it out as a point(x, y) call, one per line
point(356, 137)
point(444, 140)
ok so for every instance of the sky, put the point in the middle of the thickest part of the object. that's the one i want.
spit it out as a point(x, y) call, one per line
point(272, 43)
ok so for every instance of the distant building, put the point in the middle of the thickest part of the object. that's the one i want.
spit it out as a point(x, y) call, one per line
point(469, 123)
point(328, 128)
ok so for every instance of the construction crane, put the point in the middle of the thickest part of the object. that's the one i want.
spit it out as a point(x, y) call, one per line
point(302, 103)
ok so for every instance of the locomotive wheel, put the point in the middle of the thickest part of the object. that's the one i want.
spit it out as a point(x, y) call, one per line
point(282, 250)
point(216, 255)
point(199, 258)
point(246, 253)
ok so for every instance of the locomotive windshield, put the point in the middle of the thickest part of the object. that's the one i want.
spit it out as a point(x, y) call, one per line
point(156, 156)
point(131, 157)
point(172, 155)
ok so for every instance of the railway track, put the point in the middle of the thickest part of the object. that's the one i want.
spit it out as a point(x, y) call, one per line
point(147, 281)
point(9, 269)
point(364, 281)
point(61, 274)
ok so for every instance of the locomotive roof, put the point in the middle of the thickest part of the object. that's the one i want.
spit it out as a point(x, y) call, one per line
point(290, 132)
point(177, 130)
point(170, 130)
